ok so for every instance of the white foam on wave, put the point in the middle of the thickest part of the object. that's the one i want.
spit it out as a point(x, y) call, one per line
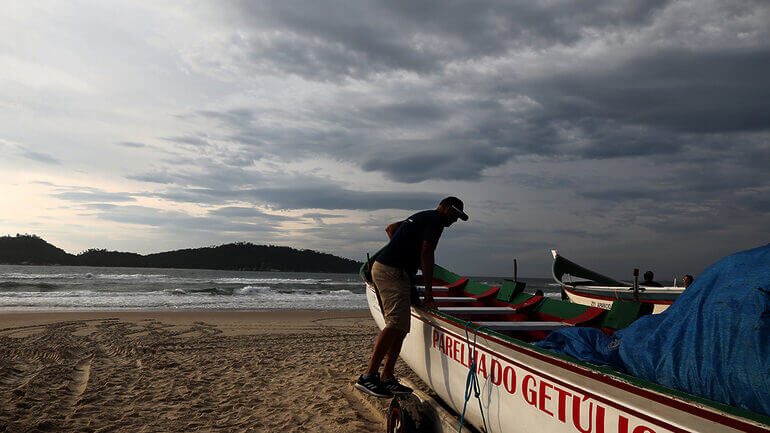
point(342, 283)
point(272, 281)
point(252, 298)
point(176, 291)
point(23, 276)
point(86, 275)
point(261, 290)
point(128, 276)
point(254, 290)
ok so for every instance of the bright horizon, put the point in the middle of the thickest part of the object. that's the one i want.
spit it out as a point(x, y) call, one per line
point(623, 135)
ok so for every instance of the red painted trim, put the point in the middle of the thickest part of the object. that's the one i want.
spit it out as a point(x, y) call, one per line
point(609, 298)
point(590, 314)
point(457, 286)
point(529, 303)
point(486, 295)
point(660, 398)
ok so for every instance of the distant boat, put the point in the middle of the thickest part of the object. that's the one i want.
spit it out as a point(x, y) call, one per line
point(525, 388)
point(596, 290)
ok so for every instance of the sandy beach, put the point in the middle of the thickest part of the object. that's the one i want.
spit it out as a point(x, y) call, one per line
point(187, 371)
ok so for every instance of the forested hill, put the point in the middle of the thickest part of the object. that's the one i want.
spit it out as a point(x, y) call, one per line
point(33, 250)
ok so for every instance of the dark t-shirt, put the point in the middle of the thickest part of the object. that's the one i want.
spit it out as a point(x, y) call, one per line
point(403, 250)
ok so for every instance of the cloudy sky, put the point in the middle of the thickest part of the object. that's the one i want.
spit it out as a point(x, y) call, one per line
point(624, 133)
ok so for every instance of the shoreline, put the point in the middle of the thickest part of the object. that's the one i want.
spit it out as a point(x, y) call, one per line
point(164, 371)
point(245, 319)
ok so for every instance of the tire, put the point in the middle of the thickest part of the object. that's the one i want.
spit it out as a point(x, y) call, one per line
point(405, 415)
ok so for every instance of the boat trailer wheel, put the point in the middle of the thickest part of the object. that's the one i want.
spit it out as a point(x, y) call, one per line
point(404, 415)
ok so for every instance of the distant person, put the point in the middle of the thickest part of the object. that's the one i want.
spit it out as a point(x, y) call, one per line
point(412, 245)
point(648, 280)
point(688, 279)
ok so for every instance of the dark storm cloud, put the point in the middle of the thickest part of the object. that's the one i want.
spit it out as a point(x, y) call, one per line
point(652, 105)
point(342, 198)
point(667, 92)
point(417, 161)
point(627, 101)
point(727, 174)
point(302, 197)
point(309, 39)
point(644, 120)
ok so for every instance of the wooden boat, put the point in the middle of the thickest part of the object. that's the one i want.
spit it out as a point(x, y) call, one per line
point(597, 290)
point(525, 388)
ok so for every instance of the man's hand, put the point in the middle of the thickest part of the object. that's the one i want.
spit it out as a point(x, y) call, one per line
point(427, 273)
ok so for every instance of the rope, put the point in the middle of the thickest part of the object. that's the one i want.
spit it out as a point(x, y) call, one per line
point(472, 382)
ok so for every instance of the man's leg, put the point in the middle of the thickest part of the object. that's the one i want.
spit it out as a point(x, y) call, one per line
point(392, 356)
point(383, 346)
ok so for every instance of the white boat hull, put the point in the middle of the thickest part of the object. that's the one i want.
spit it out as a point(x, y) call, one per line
point(607, 300)
point(526, 389)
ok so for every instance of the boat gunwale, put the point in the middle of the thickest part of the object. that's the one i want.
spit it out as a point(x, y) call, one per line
point(643, 289)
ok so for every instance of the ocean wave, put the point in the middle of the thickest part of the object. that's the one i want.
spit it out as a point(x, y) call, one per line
point(23, 276)
point(273, 281)
point(342, 283)
point(129, 276)
point(19, 286)
point(250, 298)
point(254, 290)
point(84, 275)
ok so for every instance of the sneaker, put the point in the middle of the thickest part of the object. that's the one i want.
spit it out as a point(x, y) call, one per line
point(373, 386)
point(395, 387)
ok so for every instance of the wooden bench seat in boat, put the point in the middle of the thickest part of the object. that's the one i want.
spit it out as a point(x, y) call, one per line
point(477, 310)
point(523, 326)
point(421, 289)
point(451, 299)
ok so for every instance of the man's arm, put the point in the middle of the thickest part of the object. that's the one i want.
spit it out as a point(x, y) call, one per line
point(427, 259)
point(392, 229)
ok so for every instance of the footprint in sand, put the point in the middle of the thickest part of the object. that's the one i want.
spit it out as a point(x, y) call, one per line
point(363, 405)
point(17, 376)
point(79, 379)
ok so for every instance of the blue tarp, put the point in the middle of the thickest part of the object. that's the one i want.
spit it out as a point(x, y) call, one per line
point(713, 342)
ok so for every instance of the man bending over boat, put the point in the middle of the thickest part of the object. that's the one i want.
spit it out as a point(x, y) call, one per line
point(412, 245)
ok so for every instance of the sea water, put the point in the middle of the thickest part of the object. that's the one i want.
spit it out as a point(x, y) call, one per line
point(83, 288)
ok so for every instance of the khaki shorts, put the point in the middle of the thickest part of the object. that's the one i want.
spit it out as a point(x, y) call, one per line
point(394, 288)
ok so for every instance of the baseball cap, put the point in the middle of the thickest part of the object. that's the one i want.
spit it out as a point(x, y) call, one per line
point(457, 205)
